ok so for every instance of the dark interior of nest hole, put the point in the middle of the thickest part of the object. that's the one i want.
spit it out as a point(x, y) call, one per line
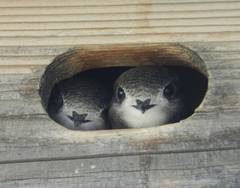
point(195, 83)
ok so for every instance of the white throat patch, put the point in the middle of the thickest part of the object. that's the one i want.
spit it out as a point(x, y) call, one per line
point(135, 118)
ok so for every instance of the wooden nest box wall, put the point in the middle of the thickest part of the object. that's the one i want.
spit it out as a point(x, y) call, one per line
point(44, 43)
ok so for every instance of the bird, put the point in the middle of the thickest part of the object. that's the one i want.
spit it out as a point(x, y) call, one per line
point(147, 96)
point(80, 103)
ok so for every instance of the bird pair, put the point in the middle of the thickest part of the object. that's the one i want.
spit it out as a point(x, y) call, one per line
point(143, 96)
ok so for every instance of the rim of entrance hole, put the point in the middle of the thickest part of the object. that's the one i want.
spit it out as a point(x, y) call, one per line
point(84, 58)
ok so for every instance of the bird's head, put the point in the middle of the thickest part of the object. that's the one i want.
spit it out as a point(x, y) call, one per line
point(146, 96)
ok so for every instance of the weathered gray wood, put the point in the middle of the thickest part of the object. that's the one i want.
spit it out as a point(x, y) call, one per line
point(195, 169)
point(21, 141)
point(201, 151)
point(31, 134)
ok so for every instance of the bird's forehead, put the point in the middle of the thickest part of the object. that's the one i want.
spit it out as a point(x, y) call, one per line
point(146, 75)
point(144, 86)
point(145, 81)
point(140, 91)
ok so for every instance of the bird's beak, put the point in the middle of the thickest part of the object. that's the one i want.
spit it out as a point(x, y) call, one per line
point(143, 106)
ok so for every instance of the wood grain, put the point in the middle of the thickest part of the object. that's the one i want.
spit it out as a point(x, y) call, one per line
point(172, 171)
point(201, 151)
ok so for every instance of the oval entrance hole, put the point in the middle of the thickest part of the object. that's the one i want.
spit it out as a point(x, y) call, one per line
point(103, 65)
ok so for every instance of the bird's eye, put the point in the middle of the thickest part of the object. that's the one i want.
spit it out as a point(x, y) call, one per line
point(120, 94)
point(169, 90)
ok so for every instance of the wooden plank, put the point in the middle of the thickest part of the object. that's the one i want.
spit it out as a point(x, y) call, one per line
point(121, 23)
point(195, 29)
point(200, 47)
point(34, 138)
point(122, 39)
point(209, 169)
point(125, 8)
point(119, 16)
point(30, 3)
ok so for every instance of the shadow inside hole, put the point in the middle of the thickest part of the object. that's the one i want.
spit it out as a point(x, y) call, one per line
point(194, 85)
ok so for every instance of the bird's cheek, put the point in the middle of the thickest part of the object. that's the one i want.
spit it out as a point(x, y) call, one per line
point(162, 102)
point(131, 112)
point(156, 99)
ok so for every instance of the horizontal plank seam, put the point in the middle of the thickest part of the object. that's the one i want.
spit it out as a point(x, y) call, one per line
point(117, 43)
point(93, 13)
point(131, 34)
point(118, 171)
point(115, 28)
point(137, 43)
point(116, 155)
point(129, 19)
point(137, 2)
point(130, 27)
point(118, 34)
point(123, 13)
point(120, 5)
